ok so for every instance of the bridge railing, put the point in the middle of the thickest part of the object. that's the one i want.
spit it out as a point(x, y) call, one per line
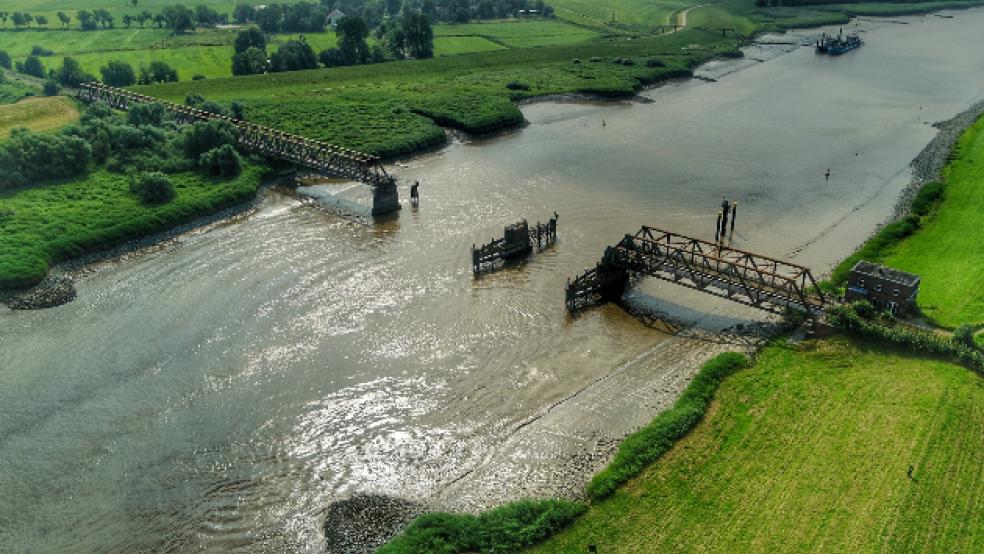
point(309, 153)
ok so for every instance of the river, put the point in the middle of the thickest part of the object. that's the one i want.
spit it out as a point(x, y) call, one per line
point(219, 391)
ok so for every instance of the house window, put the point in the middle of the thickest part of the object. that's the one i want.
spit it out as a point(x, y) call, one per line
point(877, 288)
point(861, 283)
point(895, 292)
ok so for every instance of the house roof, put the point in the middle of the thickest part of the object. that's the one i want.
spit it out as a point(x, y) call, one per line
point(335, 13)
point(886, 273)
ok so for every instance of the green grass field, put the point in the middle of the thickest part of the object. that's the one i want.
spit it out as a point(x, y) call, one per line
point(808, 451)
point(948, 252)
point(41, 113)
point(12, 91)
point(43, 225)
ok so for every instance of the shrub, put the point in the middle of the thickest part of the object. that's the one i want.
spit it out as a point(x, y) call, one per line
point(28, 157)
point(655, 62)
point(5, 60)
point(965, 335)
point(223, 161)
point(157, 72)
point(516, 85)
point(197, 77)
point(152, 188)
point(250, 62)
point(649, 443)
point(928, 196)
point(51, 88)
point(41, 51)
point(509, 528)
point(147, 114)
point(206, 135)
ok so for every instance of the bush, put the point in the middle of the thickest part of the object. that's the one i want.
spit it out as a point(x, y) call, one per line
point(965, 335)
point(148, 114)
point(293, 56)
point(5, 60)
point(655, 62)
point(649, 443)
point(28, 157)
point(252, 61)
point(509, 528)
point(223, 162)
point(152, 188)
point(516, 85)
point(51, 88)
point(928, 196)
point(41, 51)
point(203, 136)
point(157, 72)
point(197, 77)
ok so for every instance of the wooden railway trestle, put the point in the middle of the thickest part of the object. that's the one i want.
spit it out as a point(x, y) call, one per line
point(759, 281)
point(317, 156)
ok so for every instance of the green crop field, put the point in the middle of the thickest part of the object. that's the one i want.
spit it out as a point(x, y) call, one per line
point(47, 224)
point(519, 33)
point(808, 451)
point(638, 14)
point(948, 252)
point(37, 114)
point(19, 43)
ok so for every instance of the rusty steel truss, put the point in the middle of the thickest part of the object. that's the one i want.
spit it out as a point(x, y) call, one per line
point(759, 281)
point(319, 157)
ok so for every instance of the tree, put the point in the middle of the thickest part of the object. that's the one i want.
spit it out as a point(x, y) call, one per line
point(134, 2)
point(153, 114)
point(270, 18)
point(157, 72)
point(3, 17)
point(331, 57)
point(87, 21)
point(51, 88)
point(118, 74)
point(152, 188)
point(352, 47)
point(238, 110)
point(103, 17)
point(65, 20)
point(32, 66)
point(179, 18)
point(70, 74)
point(127, 20)
point(17, 18)
point(393, 7)
point(144, 17)
point(5, 60)
point(205, 15)
point(222, 161)
point(250, 62)
point(250, 37)
point(159, 21)
point(292, 56)
point(413, 37)
point(42, 20)
point(244, 13)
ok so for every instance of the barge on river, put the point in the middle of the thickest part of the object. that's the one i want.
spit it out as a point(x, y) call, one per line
point(838, 45)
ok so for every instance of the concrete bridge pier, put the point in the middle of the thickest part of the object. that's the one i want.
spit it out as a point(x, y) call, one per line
point(385, 199)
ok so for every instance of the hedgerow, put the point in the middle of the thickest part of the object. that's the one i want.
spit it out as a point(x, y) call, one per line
point(649, 443)
point(848, 318)
point(508, 528)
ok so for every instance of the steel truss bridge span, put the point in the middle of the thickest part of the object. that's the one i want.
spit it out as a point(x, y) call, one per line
point(759, 281)
point(316, 156)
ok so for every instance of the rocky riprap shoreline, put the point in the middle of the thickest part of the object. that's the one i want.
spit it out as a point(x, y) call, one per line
point(55, 290)
point(928, 165)
point(362, 523)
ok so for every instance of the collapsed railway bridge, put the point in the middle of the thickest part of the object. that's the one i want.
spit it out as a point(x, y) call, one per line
point(759, 281)
point(312, 155)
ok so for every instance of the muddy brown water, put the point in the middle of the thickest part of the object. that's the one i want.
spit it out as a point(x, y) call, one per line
point(219, 391)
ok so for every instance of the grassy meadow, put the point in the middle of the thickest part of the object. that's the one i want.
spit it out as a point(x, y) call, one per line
point(808, 451)
point(39, 113)
point(948, 251)
point(44, 225)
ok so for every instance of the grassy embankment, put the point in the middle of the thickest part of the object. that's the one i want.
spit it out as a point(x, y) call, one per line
point(942, 244)
point(37, 114)
point(44, 225)
point(809, 450)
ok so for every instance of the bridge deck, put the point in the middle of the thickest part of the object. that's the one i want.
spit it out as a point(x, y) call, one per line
point(759, 281)
point(318, 156)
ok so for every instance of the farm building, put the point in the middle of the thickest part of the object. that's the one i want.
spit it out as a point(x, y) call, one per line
point(885, 288)
point(334, 17)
